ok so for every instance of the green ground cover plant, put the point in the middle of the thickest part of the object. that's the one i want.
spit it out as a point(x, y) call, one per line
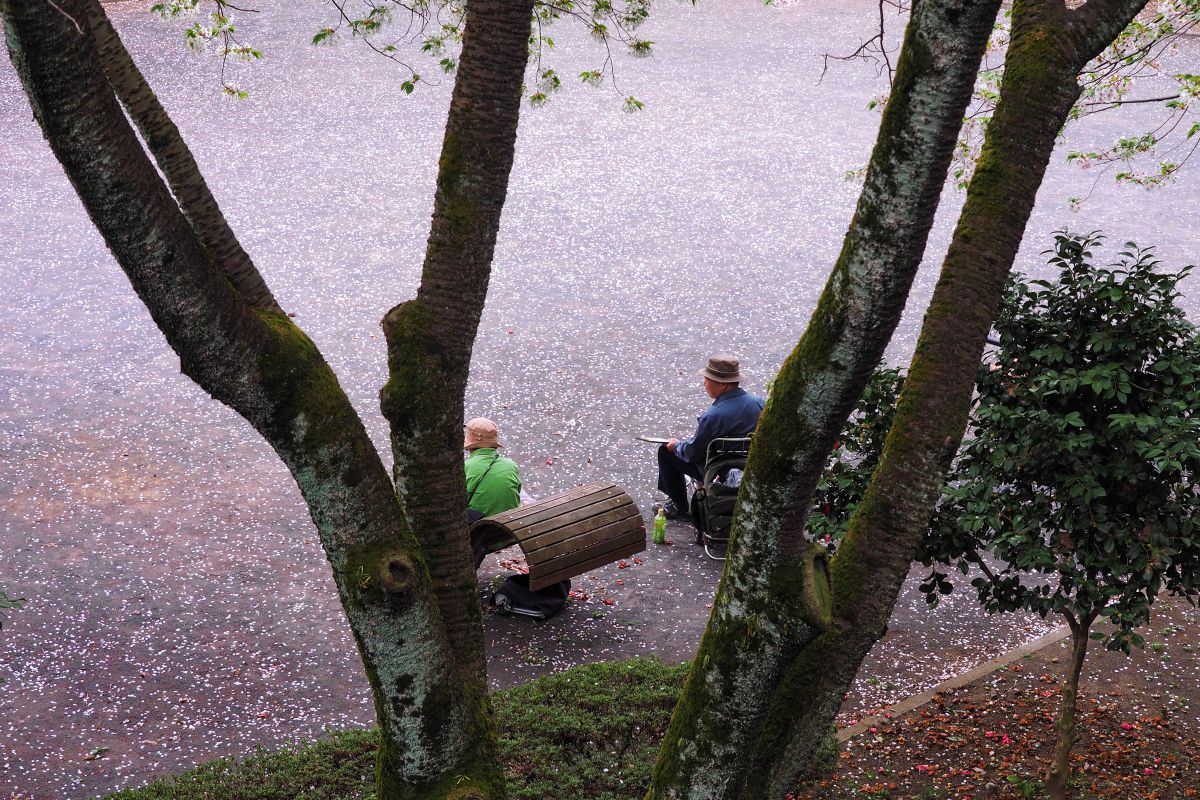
point(591, 731)
point(941, 750)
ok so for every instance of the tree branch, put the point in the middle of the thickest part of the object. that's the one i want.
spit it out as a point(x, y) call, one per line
point(430, 338)
point(875, 44)
point(73, 21)
point(1095, 24)
point(1108, 104)
point(434, 726)
point(983, 567)
point(178, 165)
point(760, 628)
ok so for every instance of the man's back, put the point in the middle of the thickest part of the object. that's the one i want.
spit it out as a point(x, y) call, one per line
point(734, 413)
point(493, 482)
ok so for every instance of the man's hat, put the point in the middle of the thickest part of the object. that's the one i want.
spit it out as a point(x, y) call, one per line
point(722, 369)
point(481, 432)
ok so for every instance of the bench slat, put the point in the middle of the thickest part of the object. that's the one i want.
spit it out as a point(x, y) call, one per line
point(561, 520)
point(513, 516)
point(551, 513)
point(541, 580)
point(572, 559)
point(571, 546)
point(551, 536)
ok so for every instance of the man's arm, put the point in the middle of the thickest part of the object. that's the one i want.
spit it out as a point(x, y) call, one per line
point(695, 449)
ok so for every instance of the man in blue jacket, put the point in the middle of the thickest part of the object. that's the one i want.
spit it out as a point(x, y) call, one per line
point(734, 412)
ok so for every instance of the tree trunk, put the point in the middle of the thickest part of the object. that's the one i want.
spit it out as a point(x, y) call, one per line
point(1064, 727)
point(436, 732)
point(430, 338)
point(773, 595)
point(1045, 55)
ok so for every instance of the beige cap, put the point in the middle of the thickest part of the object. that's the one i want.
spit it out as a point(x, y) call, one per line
point(481, 432)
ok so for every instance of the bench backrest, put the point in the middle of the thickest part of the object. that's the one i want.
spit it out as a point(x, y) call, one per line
point(568, 534)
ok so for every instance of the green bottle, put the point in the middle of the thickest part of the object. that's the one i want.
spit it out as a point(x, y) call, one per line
point(660, 527)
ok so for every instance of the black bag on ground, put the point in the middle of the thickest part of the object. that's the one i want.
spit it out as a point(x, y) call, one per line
point(712, 510)
point(514, 596)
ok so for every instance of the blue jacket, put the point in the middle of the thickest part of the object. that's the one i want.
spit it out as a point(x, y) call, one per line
point(735, 413)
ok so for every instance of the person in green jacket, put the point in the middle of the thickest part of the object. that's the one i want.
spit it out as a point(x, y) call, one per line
point(493, 481)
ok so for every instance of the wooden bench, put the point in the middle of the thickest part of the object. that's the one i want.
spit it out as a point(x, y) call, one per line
point(565, 535)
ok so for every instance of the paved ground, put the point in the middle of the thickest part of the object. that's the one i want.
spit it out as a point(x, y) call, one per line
point(179, 604)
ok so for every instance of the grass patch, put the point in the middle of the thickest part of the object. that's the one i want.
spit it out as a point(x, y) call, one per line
point(592, 731)
point(341, 767)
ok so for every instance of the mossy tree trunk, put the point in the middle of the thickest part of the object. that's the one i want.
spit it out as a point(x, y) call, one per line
point(1049, 46)
point(231, 339)
point(1059, 771)
point(773, 594)
point(430, 337)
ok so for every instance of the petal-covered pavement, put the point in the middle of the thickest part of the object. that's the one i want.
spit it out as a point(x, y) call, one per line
point(179, 605)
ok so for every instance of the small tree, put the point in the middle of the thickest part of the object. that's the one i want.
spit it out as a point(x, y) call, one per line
point(1079, 476)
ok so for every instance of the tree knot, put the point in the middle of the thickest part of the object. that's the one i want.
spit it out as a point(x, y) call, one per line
point(395, 573)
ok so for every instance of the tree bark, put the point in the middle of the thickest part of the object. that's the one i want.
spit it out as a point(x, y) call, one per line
point(430, 338)
point(436, 732)
point(1045, 55)
point(1064, 727)
point(773, 595)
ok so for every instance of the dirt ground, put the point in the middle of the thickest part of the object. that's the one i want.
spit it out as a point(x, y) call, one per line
point(1138, 729)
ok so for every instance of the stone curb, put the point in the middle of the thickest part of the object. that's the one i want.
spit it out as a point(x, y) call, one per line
point(957, 682)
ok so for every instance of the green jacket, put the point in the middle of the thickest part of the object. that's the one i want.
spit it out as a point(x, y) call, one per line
point(493, 482)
